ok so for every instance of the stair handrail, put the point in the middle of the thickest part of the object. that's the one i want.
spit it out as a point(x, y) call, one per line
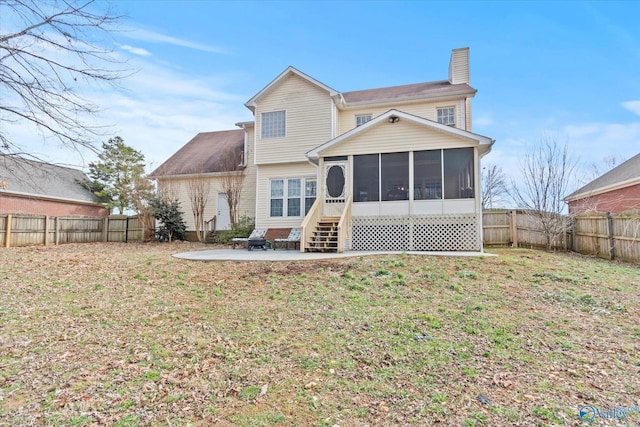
point(312, 218)
point(344, 225)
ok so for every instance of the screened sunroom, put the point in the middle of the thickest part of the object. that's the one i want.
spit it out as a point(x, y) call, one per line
point(408, 184)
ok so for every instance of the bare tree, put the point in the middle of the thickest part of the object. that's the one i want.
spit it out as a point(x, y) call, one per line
point(198, 192)
point(546, 177)
point(47, 53)
point(142, 192)
point(607, 163)
point(493, 186)
point(233, 181)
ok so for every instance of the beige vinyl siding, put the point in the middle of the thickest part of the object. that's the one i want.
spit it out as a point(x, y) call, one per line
point(178, 187)
point(397, 137)
point(268, 172)
point(426, 110)
point(247, 206)
point(308, 121)
point(459, 66)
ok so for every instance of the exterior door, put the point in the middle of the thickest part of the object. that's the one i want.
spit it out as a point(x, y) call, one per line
point(335, 187)
point(223, 219)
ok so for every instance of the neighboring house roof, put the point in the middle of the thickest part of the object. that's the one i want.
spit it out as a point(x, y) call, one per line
point(251, 104)
point(30, 177)
point(440, 89)
point(205, 153)
point(484, 142)
point(623, 175)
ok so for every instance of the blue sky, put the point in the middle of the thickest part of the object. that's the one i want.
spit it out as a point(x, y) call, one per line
point(571, 68)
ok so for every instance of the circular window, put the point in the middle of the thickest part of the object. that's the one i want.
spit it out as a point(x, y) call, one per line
point(335, 181)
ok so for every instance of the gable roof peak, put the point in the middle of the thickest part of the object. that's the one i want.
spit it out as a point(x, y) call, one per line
point(252, 103)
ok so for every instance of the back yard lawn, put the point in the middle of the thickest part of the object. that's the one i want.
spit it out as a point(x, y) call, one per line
point(126, 335)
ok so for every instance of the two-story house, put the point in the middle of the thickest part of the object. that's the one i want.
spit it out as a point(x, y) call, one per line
point(394, 168)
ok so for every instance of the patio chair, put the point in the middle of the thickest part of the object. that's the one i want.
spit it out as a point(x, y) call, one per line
point(294, 237)
point(258, 233)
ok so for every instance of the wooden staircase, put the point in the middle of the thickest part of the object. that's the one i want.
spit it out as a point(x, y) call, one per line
point(325, 237)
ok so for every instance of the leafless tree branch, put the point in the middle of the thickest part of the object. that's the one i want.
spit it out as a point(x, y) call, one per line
point(547, 172)
point(46, 56)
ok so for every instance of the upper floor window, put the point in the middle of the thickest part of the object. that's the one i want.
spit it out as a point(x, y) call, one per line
point(446, 116)
point(362, 119)
point(273, 124)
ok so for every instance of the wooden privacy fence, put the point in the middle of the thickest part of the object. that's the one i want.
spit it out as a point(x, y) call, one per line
point(24, 230)
point(612, 236)
point(609, 236)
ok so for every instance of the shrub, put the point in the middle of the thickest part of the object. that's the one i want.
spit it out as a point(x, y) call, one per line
point(171, 218)
point(242, 228)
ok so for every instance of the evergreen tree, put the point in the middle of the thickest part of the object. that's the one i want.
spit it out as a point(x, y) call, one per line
point(114, 175)
point(168, 213)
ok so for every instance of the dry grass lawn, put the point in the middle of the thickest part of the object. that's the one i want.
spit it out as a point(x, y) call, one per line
point(126, 335)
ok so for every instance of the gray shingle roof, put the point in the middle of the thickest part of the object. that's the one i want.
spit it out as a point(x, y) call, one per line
point(203, 154)
point(623, 172)
point(418, 90)
point(43, 179)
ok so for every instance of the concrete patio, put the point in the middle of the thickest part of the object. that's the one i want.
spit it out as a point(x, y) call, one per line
point(294, 255)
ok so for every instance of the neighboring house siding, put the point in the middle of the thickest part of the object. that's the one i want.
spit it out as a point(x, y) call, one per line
point(347, 120)
point(397, 137)
point(308, 121)
point(12, 204)
point(268, 172)
point(614, 201)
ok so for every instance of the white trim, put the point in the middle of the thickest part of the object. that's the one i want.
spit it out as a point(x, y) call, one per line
point(252, 103)
point(196, 175)
point(285, 195)
point(447, 107)
point(284, 134)
point(449, 96)
point(605, 189)
point(51, 198)
point(483, 141)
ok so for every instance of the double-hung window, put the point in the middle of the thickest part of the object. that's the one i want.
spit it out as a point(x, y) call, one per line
point(310, 188)
point(287, 198)
point(277, 197)
point(362, 119)
point(446, 116)
point(293, 197)
point(273, 124)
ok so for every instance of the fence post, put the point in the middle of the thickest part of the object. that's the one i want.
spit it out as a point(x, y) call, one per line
point(7, 234)
point(612, 245)
point(513, 225)
point(57, 231)
point(126, 230)
point(105, 229)
point(46, 230)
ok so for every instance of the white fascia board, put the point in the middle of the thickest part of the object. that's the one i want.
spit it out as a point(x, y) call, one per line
point(252, 103)
point(52, 198)
point(454, 96)
point(606, 189)
point(196, 175)
point(483, 141)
